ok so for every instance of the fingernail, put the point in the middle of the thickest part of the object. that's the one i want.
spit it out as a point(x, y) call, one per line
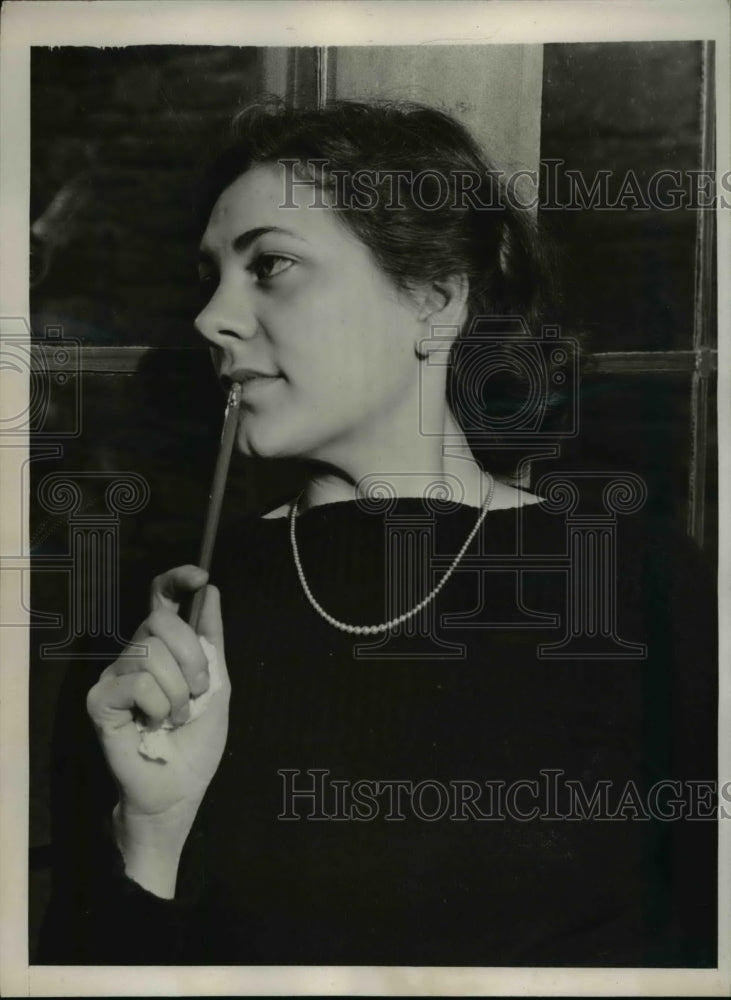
point(200, 683)
point(181, 715)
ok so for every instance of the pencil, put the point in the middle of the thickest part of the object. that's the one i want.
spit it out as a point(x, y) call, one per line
point(215, 500)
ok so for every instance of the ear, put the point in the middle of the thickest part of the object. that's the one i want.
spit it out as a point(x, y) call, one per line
point(442, 310)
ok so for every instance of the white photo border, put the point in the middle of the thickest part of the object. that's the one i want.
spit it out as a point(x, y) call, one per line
point(319, 22)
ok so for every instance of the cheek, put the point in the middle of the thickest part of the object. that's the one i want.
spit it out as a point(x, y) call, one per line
point(347, 375)
point(327, 347)
point(348, 327)
point(343, 347)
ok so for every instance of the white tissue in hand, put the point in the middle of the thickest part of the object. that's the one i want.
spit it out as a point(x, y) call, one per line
point(155, 744)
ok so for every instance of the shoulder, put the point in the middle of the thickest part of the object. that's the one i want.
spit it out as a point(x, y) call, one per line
point(281, 511)
point(506, 497)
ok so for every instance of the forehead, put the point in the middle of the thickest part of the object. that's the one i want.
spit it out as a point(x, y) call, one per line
point(264, 197)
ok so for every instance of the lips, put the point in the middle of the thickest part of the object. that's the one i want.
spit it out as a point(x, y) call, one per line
point(255, 384)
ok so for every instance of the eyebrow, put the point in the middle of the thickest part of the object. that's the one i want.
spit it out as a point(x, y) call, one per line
point(242, 242)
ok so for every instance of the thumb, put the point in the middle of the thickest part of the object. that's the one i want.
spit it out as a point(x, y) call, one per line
point(210, 625)
point(168, 588)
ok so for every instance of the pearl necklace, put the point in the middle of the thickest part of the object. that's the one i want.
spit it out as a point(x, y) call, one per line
point(385, 626)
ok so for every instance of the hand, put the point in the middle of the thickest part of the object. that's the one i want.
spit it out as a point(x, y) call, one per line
point(159, 801)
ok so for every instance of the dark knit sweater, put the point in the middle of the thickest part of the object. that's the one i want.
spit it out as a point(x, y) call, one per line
point(468, 868)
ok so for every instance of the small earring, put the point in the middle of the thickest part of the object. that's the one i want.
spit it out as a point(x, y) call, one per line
point(418, 353)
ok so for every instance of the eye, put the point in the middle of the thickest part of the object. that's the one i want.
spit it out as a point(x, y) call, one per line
point(269, 265)
point(207, 277)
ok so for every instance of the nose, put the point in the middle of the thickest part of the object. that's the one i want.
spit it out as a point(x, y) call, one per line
point(228, 314)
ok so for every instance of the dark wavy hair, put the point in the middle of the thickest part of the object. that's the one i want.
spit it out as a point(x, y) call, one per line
point(479, 234)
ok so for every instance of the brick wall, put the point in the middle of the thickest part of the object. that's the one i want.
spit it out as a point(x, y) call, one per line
point(127, 129)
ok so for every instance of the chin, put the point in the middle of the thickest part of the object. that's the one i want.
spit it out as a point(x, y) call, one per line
point(263, 439)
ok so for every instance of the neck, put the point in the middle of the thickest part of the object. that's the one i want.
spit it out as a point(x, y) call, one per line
point(414, 467)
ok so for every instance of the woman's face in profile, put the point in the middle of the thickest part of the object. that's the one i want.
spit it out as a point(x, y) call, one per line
point(298, 302)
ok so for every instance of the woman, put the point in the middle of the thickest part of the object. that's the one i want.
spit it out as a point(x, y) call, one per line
point(339, 800)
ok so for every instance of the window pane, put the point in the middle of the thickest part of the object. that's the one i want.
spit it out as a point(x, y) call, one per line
point(640, 424)
point(632, 109)
point(116, 136)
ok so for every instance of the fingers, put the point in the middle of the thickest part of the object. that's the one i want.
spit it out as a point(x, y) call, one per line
point(211, 624)
point(181, 641)
point(169, 588)
point(114, 696)
point(174, 666)
point(211, 630)
point(163, 666)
